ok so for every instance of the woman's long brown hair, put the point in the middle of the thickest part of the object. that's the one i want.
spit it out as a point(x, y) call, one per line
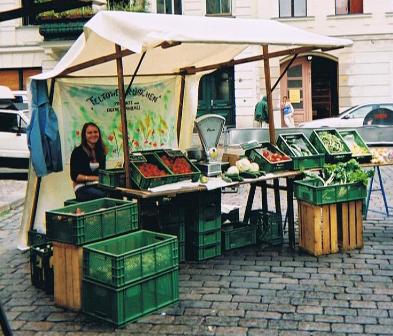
point(100, 148)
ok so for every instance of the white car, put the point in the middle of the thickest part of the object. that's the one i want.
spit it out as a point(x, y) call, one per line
point(352, 117)
point(14, 152)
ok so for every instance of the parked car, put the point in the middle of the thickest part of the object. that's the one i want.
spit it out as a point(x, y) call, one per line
point(352, 117)
point(14, 152)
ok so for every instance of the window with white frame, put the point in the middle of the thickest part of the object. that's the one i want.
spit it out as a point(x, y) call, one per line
point(345, 7)
point(218, 7)
point(169, 6)
point(292, 8)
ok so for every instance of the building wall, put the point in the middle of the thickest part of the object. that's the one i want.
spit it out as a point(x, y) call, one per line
point(365, 69)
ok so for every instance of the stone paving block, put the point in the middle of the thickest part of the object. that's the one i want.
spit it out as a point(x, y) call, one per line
point(253, 306)
point(297, 317)
point(340, 311)
point(335, 303)
point(229, 321)
point(245, 298)
point(224, 331)
point(372, 312)
point(363, 304)
point(263, 315)
point(314, 326)
point(234, 291)
point(176, 329)
point(329, 318)
point(361, 320)
point(309, 310)
point(378, 329)
point(225, 306)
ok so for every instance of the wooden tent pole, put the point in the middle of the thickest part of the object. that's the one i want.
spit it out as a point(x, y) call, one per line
point(122, 102)
point(180, 109)
point(266, 66)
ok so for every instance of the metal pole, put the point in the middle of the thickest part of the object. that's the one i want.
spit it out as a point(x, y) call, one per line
point(122, 102)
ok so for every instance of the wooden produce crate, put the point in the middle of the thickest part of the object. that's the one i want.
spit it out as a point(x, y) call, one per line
point(265, 164)
point(302, 152)
point(145, 182)
point(328, 228)
point(359, 149)
point(318, 228)
point(115, 177)
point(90, 221)
point(341, 154)
point(350, 225)
point(67, 265)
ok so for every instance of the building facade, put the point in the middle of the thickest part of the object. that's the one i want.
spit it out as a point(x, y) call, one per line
point(319, 84)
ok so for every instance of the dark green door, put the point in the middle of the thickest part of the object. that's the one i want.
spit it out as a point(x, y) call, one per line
point(217, 95)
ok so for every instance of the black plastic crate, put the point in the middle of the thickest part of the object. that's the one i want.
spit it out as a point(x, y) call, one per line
point(41, 268)
point(36, 238)
point(269, 226)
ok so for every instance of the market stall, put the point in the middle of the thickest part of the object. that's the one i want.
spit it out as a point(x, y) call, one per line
point(132, 49)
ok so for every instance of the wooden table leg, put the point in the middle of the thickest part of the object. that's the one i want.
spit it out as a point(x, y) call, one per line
point(250, 200)
point(263, 185)
point(276, 184)
point(290, 211)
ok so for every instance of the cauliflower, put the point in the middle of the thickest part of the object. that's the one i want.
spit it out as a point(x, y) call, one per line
point(243, 165)
point(232, 171)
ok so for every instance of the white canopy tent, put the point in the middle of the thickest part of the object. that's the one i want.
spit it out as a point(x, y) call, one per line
point(118, 44)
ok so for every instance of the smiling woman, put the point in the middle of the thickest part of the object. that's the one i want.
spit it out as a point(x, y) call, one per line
point(86, 160)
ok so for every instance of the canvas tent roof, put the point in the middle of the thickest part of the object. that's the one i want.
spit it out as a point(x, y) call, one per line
point(203, 41)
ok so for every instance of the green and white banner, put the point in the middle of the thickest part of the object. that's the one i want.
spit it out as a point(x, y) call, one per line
point(151, 115)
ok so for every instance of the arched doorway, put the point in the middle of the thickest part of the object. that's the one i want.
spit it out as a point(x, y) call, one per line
point(311, 85)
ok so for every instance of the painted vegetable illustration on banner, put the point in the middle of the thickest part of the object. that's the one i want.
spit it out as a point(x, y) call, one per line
point(150, 109)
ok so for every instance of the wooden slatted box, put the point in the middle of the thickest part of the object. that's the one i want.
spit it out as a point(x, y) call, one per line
point(350, 225)
point(318, 228)
point(68, 268)
point(325, 229)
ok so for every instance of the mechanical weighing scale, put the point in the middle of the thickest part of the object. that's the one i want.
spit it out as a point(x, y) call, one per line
point(209, 129)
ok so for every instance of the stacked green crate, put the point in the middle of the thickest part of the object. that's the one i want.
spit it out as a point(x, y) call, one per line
point(268, 225)
point(204, 226)
point(172, 216)
point(130, 276)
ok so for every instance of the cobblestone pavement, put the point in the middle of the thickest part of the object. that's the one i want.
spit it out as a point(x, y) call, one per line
point(251, 291)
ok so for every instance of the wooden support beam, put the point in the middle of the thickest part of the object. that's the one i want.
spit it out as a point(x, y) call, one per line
point(180, 109)
point(193, 70)
point(95, 61)
point(122, 101)
point(266, 66)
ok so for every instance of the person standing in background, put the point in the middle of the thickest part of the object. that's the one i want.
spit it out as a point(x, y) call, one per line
point(288, 112)
point(261, 113)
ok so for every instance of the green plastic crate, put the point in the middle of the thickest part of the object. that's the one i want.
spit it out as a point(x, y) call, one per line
point(41, 267)
point(143, 182)
point(182, 252)
point(126, 304)
point(204, 211)
point(71, 201)
point(330, 157)
point(205, 238)
point(129, 258)
point(268, 226)
point(265, 165)
point(312, 191)
point(199, 253)
point(353, 137)
point(175, 230)
point(315, 160)
point(238, 235)
point(99, 219)
point(195, 172)
point(171, 212)
point(115, 177)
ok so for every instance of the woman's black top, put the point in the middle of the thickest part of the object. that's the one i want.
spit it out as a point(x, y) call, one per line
point(80, 163)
